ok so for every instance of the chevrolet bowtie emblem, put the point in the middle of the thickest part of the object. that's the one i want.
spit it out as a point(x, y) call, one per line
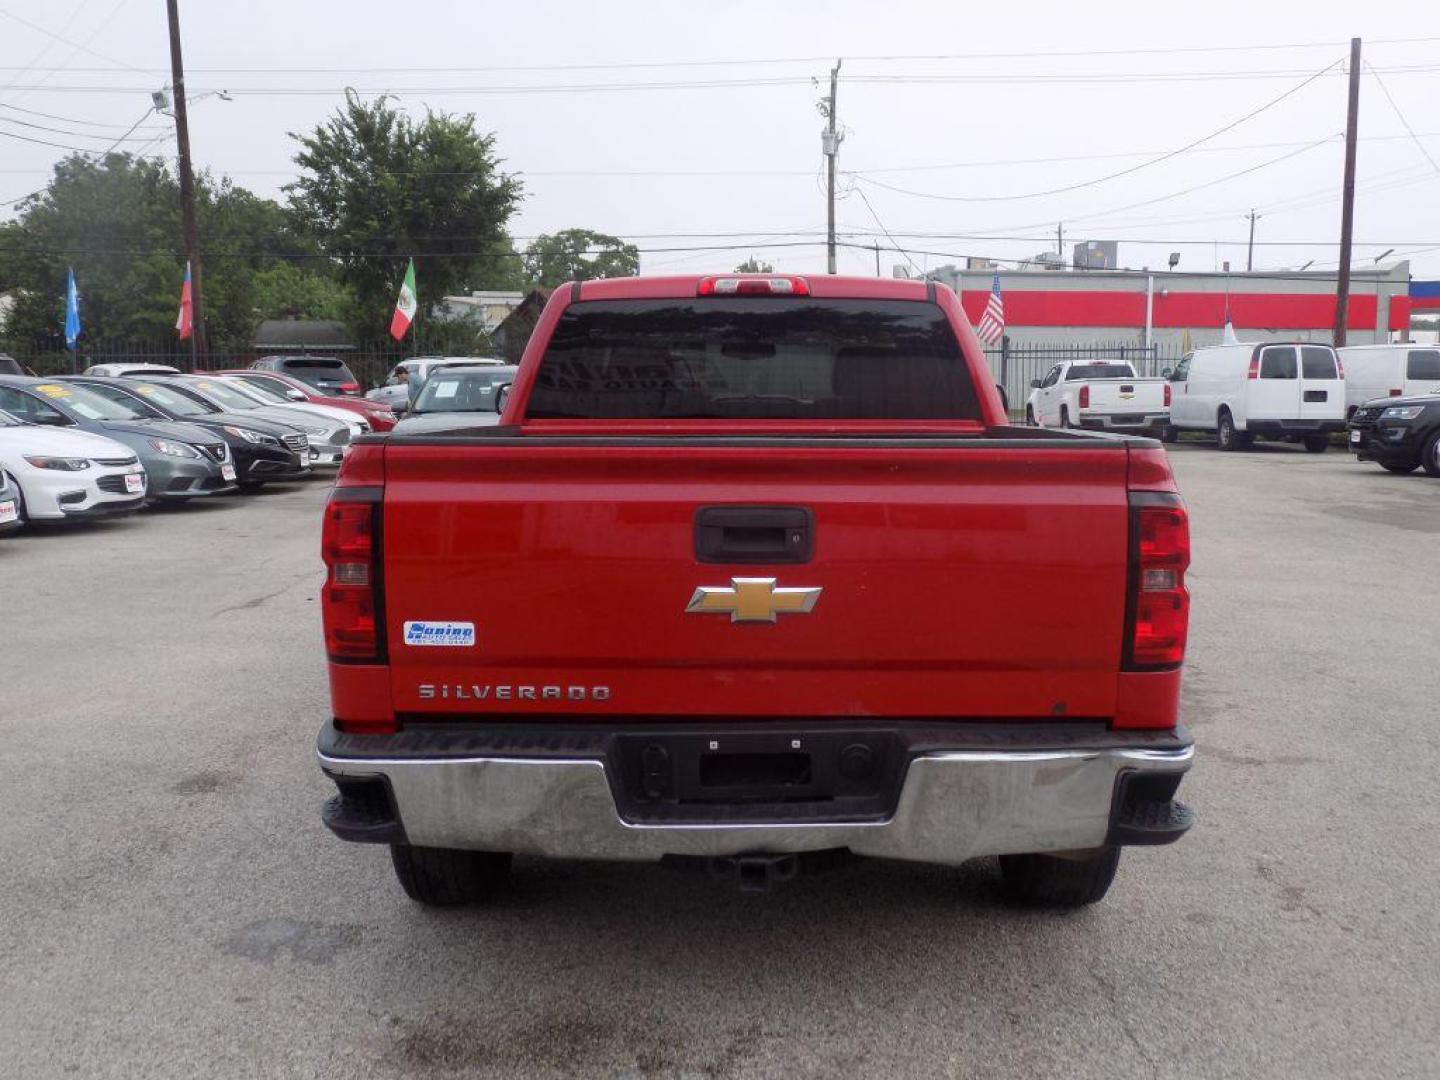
point(752, 599)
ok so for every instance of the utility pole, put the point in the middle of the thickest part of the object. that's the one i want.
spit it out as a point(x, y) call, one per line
point(830, 144)
point(198, 350)
point(1250, 248)
point(877, 258)
point(1347, 204)
point(1060, 239)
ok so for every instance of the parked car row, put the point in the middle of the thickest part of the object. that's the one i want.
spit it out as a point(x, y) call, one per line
point(120, 437)
point(1387, 395)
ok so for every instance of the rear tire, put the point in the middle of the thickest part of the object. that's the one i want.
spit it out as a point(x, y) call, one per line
point(1055, 881)
point(1065, 417)
point(446, 877)
point(1317, 444)
point(1226, 437)
point(1430, 456)
point(1169, 433)
point(1388, 467)
point(1030, 416)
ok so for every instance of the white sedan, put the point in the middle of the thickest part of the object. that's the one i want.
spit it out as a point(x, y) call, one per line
point(69, 474)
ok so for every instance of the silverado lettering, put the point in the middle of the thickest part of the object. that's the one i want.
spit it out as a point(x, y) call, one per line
point(479, 692)
point(994, 669)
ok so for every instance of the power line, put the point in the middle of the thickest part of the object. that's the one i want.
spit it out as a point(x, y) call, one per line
point(79, 46)
point(62, 119)
point(49, 44)
point(1192, 189)
point(1406, 123)
point(782, 60)
point(873, 214)
point(1167, 156)
point(62, 131)
point(523, 89)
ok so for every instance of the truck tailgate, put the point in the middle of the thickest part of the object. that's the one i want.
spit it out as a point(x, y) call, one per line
point(958, 578)
point(1126, 396)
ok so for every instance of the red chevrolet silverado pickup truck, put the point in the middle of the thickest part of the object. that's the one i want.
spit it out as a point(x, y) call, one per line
point(754, 569)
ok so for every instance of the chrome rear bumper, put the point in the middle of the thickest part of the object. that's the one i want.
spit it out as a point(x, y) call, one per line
point(952, 806)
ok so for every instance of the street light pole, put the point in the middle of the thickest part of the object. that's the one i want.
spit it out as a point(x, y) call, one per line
point(830, 143)
point(190, 223)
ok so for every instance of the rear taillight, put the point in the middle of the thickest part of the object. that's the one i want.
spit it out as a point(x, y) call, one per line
point(1255, 366)
point(350, 388)
point(350, 545)
point(1084, 397)
point(1158, 609)
point(1397, 393)
point(1167, 395)
point(753, 286)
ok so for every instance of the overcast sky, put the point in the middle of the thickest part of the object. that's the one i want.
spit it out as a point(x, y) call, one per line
point(742, 154)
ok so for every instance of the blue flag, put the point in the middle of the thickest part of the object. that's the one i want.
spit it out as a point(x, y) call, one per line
point(72, 312)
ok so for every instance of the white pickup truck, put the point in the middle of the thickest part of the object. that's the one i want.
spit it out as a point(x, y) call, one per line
point(1103, 394)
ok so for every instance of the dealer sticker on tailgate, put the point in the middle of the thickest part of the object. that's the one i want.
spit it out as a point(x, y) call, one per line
point(440, 633)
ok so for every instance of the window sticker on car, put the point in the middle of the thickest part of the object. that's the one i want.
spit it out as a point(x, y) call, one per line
point(460, 634)
point(52, 390)
point(147, 391)
point(446, 389)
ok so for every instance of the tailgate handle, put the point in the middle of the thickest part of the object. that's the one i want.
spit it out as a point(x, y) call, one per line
point(1127, 389)
point(754, 534)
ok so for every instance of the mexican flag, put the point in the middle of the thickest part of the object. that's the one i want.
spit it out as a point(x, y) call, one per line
point(404, 305)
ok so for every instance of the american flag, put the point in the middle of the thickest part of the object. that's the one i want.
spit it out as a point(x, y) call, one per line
point(991, 327)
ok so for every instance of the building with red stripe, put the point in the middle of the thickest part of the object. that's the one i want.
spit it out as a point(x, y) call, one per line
point(1177, 309)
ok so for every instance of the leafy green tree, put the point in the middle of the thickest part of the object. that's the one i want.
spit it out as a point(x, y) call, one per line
point(116, 220)
point(377, 187)
point(754, 265)
point(579, 255)
point(282, 290)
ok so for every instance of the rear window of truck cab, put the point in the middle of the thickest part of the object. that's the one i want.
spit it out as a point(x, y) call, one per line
point(753, 358)
point(1100, 371)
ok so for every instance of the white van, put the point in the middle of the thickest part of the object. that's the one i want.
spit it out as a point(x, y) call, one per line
point(1293, 391)
point(1377, 371)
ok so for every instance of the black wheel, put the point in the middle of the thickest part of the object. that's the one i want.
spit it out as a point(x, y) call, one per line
point(1065, 416)
point(1317, 444)
point(1030, 416)
point(1059, 881)
point(1430, 456)
point(1389, 467)
point(1225, 434)
point(444, 877)
point(1169, 433)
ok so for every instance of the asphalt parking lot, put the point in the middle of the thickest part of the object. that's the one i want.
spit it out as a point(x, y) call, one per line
point(172, 906)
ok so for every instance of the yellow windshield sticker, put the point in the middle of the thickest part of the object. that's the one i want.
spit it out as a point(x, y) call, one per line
point(148, 391)
point(53, 390)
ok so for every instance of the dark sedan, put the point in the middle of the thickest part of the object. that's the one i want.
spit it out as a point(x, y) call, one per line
point(182, 461)
point(1401, 434)
point(263, 450)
